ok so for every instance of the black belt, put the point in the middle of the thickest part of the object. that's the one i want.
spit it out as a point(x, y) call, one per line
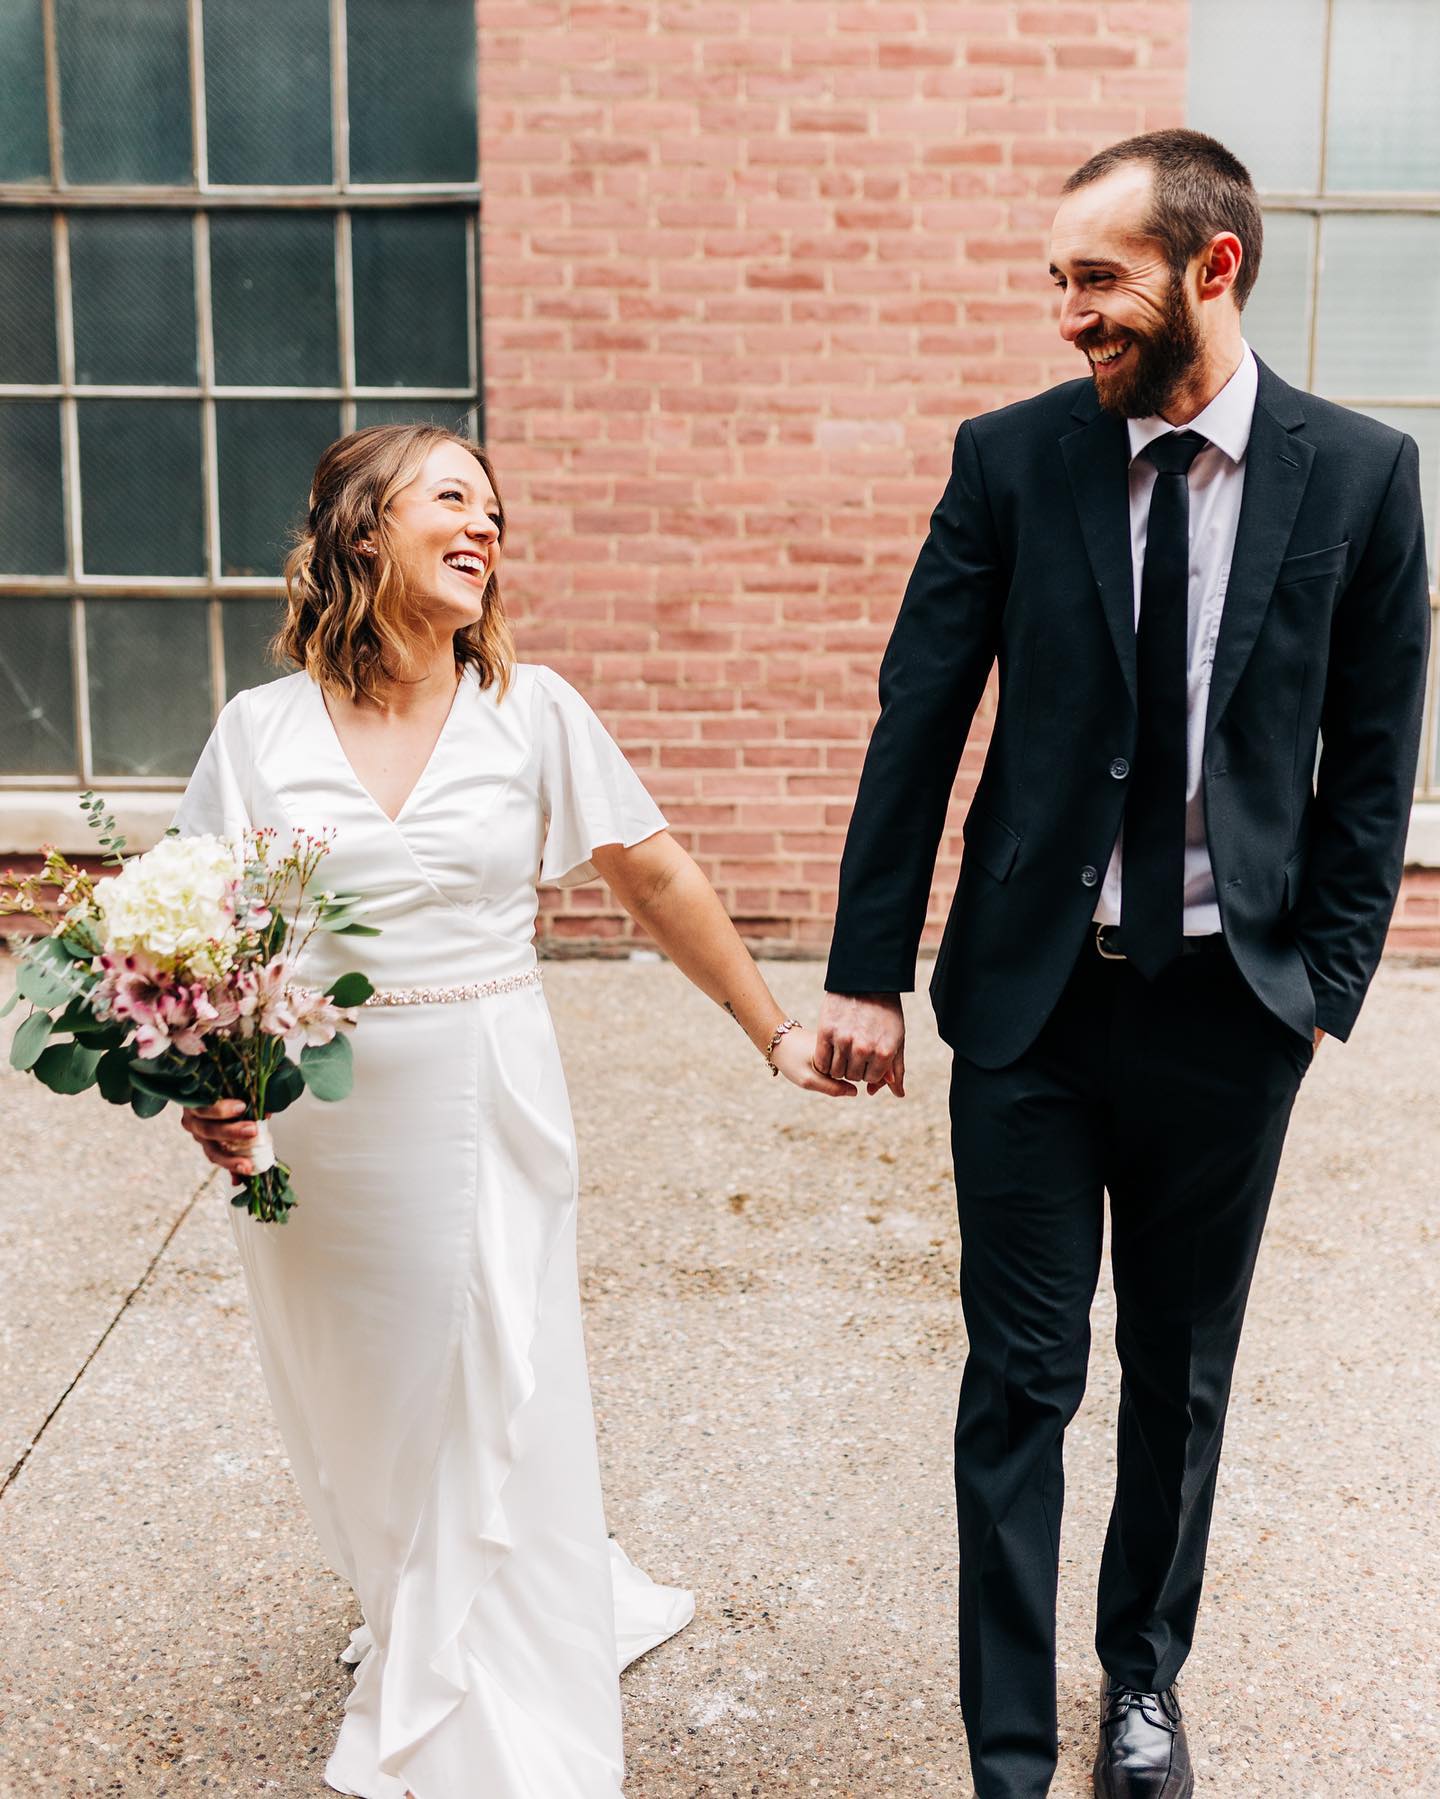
point(1107, 943)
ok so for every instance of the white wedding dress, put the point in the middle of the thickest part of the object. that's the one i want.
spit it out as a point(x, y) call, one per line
point(418, 1314)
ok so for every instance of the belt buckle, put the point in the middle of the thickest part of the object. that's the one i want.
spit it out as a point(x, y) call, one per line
point(1106, 953)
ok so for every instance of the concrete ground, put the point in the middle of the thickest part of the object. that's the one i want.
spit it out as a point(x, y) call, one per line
point(775, 1341)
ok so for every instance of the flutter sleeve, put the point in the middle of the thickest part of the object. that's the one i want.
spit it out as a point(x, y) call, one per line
point(590, 793)
point(215, 798)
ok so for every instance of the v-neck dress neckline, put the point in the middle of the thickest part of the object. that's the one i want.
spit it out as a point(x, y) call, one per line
point(429, 763)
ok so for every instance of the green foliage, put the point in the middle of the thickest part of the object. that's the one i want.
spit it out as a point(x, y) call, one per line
point(67, 1067)
point(30, 1040)
point(113, 1077)
point(39, 982)
point(350, 990)
point(146, 1105)
point(338, 915)
point(328, 1068)
point(100, 819)
point(11, 1003)
point(284, 1087)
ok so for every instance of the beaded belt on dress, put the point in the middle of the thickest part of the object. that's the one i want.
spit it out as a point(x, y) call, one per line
point(449, 996)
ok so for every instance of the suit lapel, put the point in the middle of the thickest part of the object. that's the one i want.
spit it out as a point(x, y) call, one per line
point(1277, 467)
point(1097, 458)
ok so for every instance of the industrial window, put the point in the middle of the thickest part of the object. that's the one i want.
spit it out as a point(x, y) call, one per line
point(228, 233)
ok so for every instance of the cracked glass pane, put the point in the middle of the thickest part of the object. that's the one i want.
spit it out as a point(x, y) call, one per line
point(412, 91)
point(149, 676)
point(411, 299)
point(24, 143)
point(267, 453)
point(125, 92)
point(452, 415)
point(132, 281)
point(32, 509)
point(267, 92)
point(249, 626)
point(27, 297)
point(140, 478)
point(37, 696)
point(273, 280)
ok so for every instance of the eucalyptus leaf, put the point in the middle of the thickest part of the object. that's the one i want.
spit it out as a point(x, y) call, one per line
point(353, 930)
point(350, 990)
point(12, 1002)
point(146, 1105)
point(113, 1075)
point(284, 1087)
point(328, 1068)
point(30, 1040)
point(170, 1083)
point(68, 1067)
point(41, 987)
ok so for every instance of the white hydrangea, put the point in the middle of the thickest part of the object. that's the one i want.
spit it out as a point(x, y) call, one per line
point(172, 902)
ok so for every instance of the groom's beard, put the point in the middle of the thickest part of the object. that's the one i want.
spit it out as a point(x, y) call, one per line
point(1159, 363)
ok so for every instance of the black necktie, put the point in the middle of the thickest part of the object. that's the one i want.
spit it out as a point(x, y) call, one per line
point(1153, 873)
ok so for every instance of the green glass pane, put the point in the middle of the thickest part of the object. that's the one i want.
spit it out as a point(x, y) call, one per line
point(140, 481)
point(267, 92)
point(267, 454)
point(37, 694)
point(1383, 123)
point(32, 498)
point(27, 297)
point(132, 283)
point(411, 299)
point(453, 415)
point(1377, 331)
point(125, 91)
point(1277, 314)
point(412, 90)
point(24, 144)
point(149, 676)
point(273, 280)
point(249, 625)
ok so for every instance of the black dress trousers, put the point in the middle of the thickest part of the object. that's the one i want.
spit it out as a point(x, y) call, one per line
point(1173, 1095)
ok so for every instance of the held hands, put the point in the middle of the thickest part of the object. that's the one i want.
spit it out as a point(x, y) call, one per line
point(794, 1057)
point(862, 1038)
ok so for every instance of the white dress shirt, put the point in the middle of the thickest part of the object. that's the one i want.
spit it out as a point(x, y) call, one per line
point(1217, 480)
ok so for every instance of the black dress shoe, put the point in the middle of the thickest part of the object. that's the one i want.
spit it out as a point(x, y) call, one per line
point(1142, 1754)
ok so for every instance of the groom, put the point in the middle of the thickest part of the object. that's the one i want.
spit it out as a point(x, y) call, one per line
point(1187, 574)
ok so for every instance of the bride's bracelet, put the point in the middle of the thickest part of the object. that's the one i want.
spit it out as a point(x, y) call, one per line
point(790, 1024)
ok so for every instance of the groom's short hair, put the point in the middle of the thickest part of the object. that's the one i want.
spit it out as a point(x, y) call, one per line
point(1200, 188)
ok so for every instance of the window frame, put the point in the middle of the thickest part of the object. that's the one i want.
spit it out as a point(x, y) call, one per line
point(1318, 205)
point(341, 198)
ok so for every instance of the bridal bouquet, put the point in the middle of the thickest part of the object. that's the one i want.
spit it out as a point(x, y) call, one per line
point(174, 980)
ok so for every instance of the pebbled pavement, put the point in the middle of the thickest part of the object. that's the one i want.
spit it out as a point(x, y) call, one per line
point(775, 1344)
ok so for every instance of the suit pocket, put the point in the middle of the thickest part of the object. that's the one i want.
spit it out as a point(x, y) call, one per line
point(990, 841)
point(1314, 565)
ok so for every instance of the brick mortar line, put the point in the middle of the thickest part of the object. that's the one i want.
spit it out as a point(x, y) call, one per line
point(124, 1306)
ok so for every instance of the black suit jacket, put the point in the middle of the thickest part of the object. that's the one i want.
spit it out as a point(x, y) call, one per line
point(1323, 638)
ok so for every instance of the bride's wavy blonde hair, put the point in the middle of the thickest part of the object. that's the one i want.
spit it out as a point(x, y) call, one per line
point(349, 621)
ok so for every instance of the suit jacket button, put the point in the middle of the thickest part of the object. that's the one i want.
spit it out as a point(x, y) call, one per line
point(1090, 876)
point(1119, 768)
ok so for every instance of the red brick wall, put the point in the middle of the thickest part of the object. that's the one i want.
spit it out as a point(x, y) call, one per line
point(747, 265)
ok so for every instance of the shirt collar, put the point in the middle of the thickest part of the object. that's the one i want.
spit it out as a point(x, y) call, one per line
point(1225, 421)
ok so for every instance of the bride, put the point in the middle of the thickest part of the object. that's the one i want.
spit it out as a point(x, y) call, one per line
point(418, 1315)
